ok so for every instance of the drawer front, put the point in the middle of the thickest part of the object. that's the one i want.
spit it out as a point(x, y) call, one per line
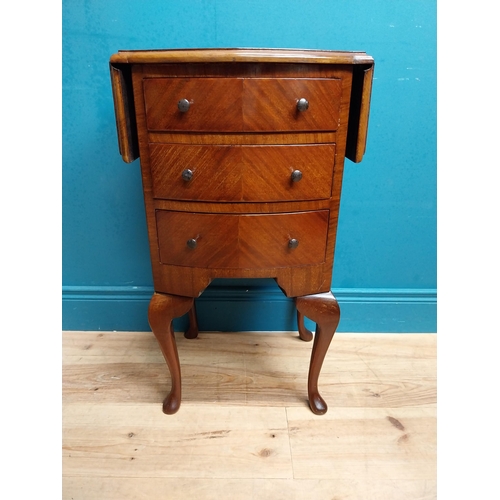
point(215, 104)
point(242, 173)
point(242, 105)
point(272, 104)
point(260, 241)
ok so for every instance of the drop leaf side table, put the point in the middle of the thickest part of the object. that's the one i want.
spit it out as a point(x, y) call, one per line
point(242, 155)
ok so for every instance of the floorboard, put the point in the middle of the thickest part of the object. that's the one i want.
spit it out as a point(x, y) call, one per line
point(244, 429)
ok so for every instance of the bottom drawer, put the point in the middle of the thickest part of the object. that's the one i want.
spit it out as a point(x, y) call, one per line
point(257, 241)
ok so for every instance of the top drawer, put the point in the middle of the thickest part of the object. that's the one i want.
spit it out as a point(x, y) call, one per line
point(242, 105)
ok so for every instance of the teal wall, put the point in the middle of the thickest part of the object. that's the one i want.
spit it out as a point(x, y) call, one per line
point(385, 263)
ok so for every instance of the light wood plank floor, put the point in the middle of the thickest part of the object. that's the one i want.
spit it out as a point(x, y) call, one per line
point(244, 430)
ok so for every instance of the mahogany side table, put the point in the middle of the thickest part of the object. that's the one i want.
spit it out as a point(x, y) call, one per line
point(242, 156)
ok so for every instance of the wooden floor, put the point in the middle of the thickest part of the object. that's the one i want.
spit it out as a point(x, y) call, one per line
point(244, 430)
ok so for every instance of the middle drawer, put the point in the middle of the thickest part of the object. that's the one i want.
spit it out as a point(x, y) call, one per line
point(242, 173)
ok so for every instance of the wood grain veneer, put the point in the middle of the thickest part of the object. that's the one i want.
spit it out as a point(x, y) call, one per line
point(242, 172)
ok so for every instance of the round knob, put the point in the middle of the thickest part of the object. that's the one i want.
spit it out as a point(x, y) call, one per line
point(293, 243)
point(296, 175)
point(302, 104)
point(191, 243)
point(183, 105)
point(187, 174)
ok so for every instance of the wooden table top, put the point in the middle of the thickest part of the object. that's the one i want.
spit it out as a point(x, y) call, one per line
point(240, 55)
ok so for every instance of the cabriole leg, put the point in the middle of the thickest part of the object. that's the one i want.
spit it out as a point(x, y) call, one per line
point(304, 333)
point(323, 309)
point(163, 308)
point(192, 331)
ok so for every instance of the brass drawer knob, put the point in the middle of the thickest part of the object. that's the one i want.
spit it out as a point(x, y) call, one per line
point(183, 105)
point(187, 174)
point(191, 243)
point(293, 243)
point(296, 175)
point(302, 104)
